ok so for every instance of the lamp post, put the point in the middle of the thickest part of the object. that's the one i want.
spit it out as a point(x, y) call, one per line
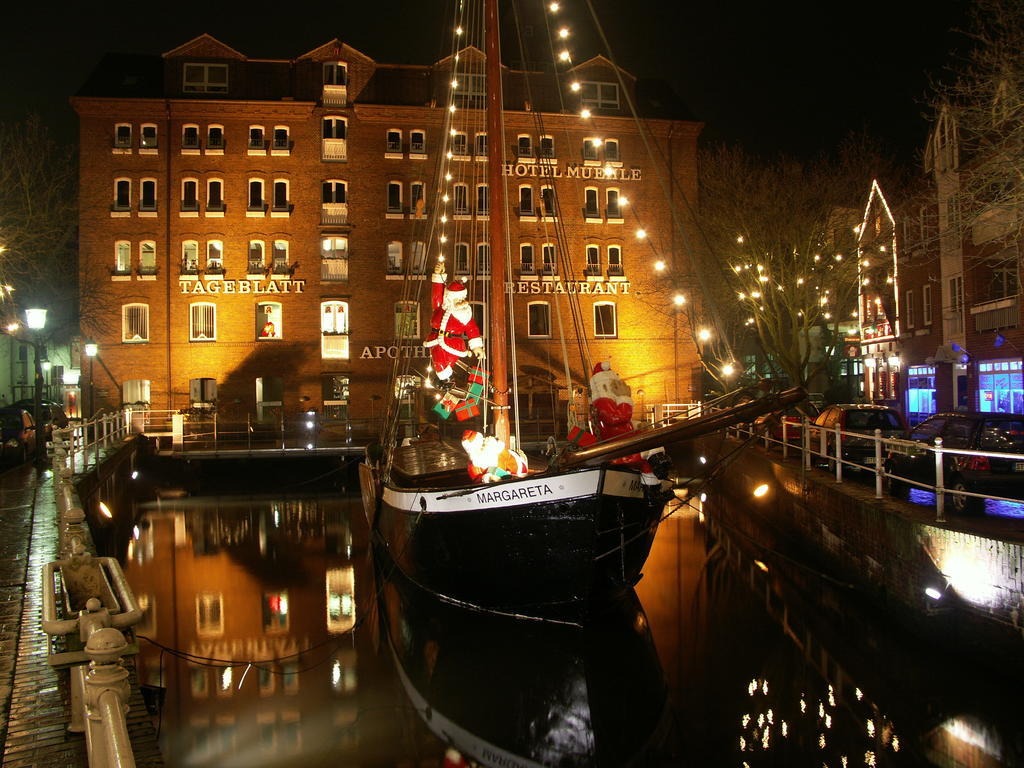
point(91, 350)
point(35, 319)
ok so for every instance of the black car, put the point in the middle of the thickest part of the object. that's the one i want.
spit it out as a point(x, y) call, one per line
point(51, 414)
point(18, 435)
point(859, 418)
point(995, 432)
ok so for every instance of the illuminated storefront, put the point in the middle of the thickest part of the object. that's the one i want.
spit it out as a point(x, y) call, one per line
point(920, 393)
point(1001, 386)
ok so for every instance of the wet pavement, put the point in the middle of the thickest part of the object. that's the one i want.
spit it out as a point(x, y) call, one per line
point(34, 697)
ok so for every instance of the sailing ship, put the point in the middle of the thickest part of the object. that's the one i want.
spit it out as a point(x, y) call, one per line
point(565, 532)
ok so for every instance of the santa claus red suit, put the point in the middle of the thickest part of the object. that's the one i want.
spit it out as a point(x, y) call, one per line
point(453, 331)
point(489, 459)
point(612, 405)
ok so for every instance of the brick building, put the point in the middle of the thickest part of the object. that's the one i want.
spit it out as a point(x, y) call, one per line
point(254, 233)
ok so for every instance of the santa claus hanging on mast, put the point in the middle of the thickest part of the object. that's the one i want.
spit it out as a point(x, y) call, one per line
point(453, 331)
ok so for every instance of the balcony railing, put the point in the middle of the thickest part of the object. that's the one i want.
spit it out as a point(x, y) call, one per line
point(334, 213)
point(335, 149)
point(335, 95)
point(334, 269)
point(334, 346)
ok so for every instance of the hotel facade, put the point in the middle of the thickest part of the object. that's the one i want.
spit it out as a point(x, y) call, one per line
point(256, 234)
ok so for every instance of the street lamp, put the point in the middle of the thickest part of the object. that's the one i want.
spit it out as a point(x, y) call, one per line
point(35, 319)
point(91, 350)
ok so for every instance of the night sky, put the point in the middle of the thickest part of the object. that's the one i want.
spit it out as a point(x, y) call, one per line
point(783, 76)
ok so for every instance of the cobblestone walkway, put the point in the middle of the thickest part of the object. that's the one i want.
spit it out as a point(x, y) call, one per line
point(34, 697)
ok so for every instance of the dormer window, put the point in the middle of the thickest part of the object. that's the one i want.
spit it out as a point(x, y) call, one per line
point(600, 95)
point(205, 78)
point(335, 73)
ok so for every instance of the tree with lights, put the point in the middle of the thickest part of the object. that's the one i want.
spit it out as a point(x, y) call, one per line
point(780, 237)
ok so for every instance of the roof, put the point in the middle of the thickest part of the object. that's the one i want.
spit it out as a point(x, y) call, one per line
point(126, 76)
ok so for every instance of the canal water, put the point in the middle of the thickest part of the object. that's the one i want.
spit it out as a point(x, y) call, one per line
point(270, 639)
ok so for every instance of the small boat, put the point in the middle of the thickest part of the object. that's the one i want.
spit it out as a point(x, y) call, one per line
point(500, 692)
point(555, 535)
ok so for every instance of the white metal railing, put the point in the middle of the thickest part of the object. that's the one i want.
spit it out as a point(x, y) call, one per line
point(814, 442)
point(77, 441)
point(89, 597)
point(334, 213)
point(335, 149)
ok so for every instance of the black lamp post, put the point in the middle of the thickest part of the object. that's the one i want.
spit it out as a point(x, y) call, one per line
point(35, 319)
point(91, 350)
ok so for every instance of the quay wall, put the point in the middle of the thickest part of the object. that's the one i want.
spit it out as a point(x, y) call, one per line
point(888, 550)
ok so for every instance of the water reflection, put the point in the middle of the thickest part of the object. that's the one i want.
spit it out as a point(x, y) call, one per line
point(272, 643)
point(784, 667)
point(515, 693)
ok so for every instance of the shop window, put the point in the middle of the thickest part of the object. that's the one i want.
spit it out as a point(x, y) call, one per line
point(268, 320)
point(1000, 386)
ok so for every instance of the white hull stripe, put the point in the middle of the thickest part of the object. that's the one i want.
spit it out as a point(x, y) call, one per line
point(447, 730)
point(523, 492)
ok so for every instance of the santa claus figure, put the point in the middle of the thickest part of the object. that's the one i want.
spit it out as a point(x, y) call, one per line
point(453, 331)
point(489, 459)
point(612, 405)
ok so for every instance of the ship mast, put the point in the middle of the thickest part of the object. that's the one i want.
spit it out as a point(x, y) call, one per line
point(495, 151)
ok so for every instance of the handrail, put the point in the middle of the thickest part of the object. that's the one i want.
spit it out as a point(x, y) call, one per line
point(883, 447)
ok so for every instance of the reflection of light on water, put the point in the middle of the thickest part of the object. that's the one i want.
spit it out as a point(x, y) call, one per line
point(972, 732)
point(996, 508)
point(969, 571)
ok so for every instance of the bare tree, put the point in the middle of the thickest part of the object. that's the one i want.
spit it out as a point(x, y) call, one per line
point(780, 238)
point(979, 109)
point(38, 218)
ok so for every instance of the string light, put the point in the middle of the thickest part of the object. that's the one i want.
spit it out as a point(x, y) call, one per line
point(553, 7)
point(641, 234)
point(659, 266)
point(563, 33)
point(564, 56)
point(585, 114)
point(574, 86)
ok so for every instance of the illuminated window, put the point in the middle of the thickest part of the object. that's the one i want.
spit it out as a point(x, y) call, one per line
point(209, 613)
point(214, 255)
point(202, 321)
point(269, 324)
point(275, 611)
point(334, 330)
point(134, 323)
point(147, 257)
point(334, 258)
point(335, 396)
point(394, 258)
point(341, 603)
point(122, 257)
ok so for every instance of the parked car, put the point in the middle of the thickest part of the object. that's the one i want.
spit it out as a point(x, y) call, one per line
point(18, 433)
point(786, 426)
point(51, 414)
point(862, 419)
point(995, 432)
